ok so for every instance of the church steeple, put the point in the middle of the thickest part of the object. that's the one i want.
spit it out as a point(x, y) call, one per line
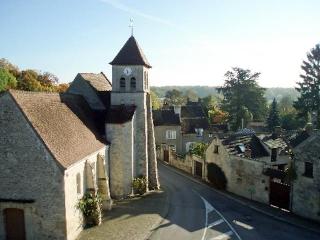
point(131, 54)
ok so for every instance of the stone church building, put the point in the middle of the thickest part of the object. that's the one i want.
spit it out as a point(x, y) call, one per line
point(55, 147)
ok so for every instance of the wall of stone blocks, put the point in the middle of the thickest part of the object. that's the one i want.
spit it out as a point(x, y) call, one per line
point(121, 158)
point(306, 190)
point(244, 176)
point(28, 171)
point(74, 221)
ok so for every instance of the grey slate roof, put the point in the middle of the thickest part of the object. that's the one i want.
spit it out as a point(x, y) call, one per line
point(165, 117)
point(64, 122)
point(131, 54)
point(189, 125)
point(236, 144)
point(192, 111)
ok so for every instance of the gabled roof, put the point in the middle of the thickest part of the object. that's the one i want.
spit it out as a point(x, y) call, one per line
point(192, 111)
point(131, 54)
point(63, 122)
point(299, 138)
point(98, 81)
point(165, 117)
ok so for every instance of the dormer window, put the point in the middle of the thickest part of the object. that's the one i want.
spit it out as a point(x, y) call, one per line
point(133, 84)
point(199, 132)
point(122, 84)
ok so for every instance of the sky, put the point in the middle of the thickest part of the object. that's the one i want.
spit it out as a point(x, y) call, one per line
point(187, 42)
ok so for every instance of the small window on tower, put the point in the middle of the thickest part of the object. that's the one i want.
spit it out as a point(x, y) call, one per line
point(122, 84)
point(133, 83)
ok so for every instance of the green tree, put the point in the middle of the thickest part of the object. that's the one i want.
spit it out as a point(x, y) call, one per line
point(285, 105)
point(309, 87)
point(243, 98)
point(191, 95)
point(156, 103)
point(290, 121)
point(174, 97)
point(14, 70)
point(273, 119)
point(7, 80)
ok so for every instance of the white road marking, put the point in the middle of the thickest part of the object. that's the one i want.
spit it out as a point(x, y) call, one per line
point(210, 208)
point(223, 236)
point(215, 223)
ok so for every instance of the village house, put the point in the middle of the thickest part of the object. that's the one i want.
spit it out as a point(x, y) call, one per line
point(254, 168)
point(306, 186)
point(179, 127)
point(55, 147)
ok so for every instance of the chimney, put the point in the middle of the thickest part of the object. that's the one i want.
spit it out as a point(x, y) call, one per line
point(177, 110)
point(277, 131)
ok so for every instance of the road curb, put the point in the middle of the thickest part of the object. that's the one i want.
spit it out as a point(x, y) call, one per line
point(178, 171)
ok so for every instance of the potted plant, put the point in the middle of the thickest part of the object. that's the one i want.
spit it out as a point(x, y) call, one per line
point(90, 206)
point(139, 185)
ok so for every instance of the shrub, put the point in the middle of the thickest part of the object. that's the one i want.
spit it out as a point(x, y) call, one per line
point(199, 149)
point(90, 206)
point(139, 185)
point(216, 176)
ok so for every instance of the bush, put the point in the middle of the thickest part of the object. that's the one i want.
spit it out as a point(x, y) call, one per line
point(216, 176)
point(90, 206)
point(199, 149)
point(139, 185)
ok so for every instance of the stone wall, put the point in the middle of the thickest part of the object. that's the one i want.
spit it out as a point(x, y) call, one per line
point(306, 190)
point(29, 172)
point(244, 176)
point(74, 221)
point(121, 158)
point(185, 138)
point(152, 164)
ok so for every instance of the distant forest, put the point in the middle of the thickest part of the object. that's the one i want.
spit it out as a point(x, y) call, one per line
point(203, 91)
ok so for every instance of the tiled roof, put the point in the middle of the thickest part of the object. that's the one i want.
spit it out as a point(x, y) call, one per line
point(189, 125)
point(131, 54)
point(192, 111)
point(165, 117)
point(63, 122)
point(120, 114)
point(98, 81)
point(237, 145)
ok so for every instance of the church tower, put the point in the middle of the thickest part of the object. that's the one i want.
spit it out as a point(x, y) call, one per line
point(131, 90)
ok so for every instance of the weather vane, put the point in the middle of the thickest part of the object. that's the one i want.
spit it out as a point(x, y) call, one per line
point(131, 26)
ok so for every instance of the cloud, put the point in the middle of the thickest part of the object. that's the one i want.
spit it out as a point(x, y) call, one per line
point(118, 5)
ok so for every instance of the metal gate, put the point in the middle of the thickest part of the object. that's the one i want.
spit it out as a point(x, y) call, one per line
point(279, 194)
point(14, 224)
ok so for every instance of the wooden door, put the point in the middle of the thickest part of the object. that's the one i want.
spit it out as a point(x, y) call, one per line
point(280, 194)
point(166, 155)
point(198, 169)
point(14, 224)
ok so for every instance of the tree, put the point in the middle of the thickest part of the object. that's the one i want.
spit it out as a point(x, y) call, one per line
point(156, 103)
point(309, 87)
point(191, 95)
point(273, 119)
point(14, 70)
point(174, 97)
point(290, 121)
point(285, 105)
point(7, 80)
point(243, 98)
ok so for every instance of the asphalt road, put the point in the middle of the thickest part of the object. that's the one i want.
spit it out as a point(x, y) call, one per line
point(198, 212)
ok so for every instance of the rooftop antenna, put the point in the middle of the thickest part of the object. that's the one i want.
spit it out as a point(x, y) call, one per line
point(131, 26)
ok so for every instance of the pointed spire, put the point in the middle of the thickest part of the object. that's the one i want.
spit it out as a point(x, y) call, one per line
point(131, 54)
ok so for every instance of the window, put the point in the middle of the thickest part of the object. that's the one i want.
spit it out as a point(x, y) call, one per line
point(171, 134)
point(308, 169)
point(78, 179)
point(199, 132)
point(210, 135)
point(216, 149)
point(122, 84)
point(274, 154)
point(133, 83)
